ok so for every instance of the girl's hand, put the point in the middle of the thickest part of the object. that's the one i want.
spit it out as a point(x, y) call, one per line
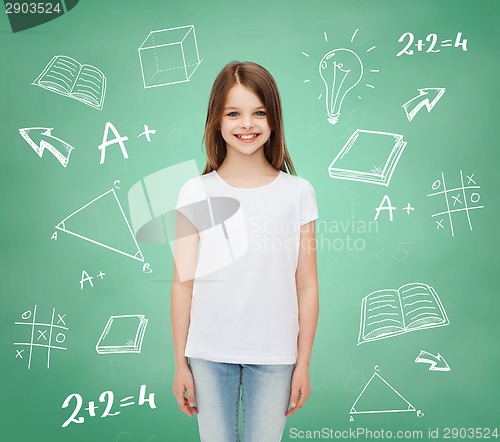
point(183, 382)
point(301, 389)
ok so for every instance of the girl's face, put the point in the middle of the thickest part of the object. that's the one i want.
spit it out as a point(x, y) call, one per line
point(244, 124)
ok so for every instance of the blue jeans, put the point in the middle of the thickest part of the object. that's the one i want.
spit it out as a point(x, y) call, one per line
point(265, 396)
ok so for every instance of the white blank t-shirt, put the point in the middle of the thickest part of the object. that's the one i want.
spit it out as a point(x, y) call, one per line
point(244, 306)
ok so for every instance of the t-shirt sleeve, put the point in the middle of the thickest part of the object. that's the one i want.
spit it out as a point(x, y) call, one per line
point(191, 202)
point(183, 196)
point(185, 200)
point(308, 204)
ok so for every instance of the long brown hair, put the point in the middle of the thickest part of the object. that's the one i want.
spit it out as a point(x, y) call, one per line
point(261, 82)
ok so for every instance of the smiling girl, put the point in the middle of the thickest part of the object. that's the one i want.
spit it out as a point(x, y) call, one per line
point(247, 326)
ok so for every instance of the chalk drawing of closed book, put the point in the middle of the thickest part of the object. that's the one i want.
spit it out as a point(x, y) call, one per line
point(368, 156)
point(387, 313)
point(122, 334)
point(66, 76)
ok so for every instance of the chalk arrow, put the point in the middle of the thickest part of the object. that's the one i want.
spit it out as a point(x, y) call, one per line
point(428, 97)
point(40, 138)
point(437, 362)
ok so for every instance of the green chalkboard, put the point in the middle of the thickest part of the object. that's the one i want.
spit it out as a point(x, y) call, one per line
point(404, 167)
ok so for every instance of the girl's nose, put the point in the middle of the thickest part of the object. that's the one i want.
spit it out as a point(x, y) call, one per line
point(247, 123)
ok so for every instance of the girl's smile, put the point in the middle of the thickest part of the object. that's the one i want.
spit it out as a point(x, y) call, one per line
point(247, 138)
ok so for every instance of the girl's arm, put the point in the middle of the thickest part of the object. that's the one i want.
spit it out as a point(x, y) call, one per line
point(185, 257)
point(306, 278)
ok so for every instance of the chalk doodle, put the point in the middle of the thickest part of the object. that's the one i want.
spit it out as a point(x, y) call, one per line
point(119, 227)
point(41, 138)
point(122, 334)
point(66, 76)
point(386, 205)
point(169, 56)
point(387, 313)
point(378, 396)
point(105, 397)
point(341, 70)
point(41, 335)
point(120, 140)
point(87, 278)
point(432, 39)
point(427, 97)
point(146, 133)
point(368, 156)
point(437, 362)
point(459, 199)
point(106, 142)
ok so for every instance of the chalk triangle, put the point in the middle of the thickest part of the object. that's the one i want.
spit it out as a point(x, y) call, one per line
point(103, 222)
point(379, 396)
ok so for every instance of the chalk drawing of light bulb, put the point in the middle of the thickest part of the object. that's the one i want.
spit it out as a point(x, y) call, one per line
point(341, 70)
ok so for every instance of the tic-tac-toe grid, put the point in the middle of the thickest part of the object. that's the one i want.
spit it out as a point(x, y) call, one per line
point(456, 199)
point(41, 335)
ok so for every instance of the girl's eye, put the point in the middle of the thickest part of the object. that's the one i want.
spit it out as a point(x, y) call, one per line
point(232, 114)
point(260, 113)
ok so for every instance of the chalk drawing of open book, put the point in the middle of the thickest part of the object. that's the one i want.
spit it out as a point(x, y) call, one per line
point(387, 313)
point(66, 76)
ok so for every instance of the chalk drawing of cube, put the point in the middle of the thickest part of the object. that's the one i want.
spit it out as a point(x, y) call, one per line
point(169, 56)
